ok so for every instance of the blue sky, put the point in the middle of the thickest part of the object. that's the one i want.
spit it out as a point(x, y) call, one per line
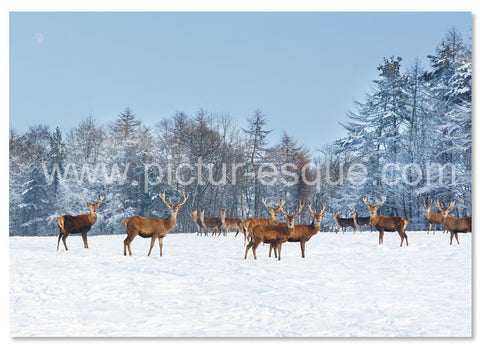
point(303, 70)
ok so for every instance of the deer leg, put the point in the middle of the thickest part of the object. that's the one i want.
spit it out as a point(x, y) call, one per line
point(59, 237)
point(380, 237)
point(279, 248)
point(127, 242)
point(254, 249)
point(456, 238)
point(429, 226)
point(160, 242)
point(152, 242)
point(270, 251)
point(402, 237)
point(125, 246)
point(302, 246)
point(451, 237)
point(434, 228)
point(64, 237)
point(84, 237)
point(250, 244)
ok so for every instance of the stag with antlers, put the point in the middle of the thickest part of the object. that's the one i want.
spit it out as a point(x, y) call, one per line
point(432, 218)
point(249, 223)
point(384, 223)
point(155, 228)
point(78, 224)
point(273, 234)
point(302, 232)
point(454, 225)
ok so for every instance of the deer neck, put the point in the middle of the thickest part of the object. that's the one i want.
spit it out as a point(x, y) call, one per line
point(315, 225)
point(171, 220)
point(92, 217)
point(273, 219)
point(373, 218)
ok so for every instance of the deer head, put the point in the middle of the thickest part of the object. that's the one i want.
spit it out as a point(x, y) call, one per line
point(373, 208)
point(174, 208)
point(427, 207)
point(274, 210)
point(291, 218)
point(93, 207)
point(445, 210)
point(317, 217)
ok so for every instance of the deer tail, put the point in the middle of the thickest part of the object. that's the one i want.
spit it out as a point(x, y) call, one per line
point(124, 221)
point(405, 225)
point(60, 221)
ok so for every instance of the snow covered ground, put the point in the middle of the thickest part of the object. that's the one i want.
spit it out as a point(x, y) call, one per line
point(347, 285)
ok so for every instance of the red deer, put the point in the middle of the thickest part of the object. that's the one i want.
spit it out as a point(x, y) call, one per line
point(198, 222)
point(273, 234)
point(432, 218)
point(249, 223)
point(454, 225)
point(384, 223)
point(361, 221)
point(215, 223)
point(237, 224)
point(344, 222)
point(303, 232)
point(151, 227)
point(78, 224)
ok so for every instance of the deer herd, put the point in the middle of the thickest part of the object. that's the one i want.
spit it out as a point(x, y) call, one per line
point(260, 230)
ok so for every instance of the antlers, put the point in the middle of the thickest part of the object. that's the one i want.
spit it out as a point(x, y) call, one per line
point(89, 203)
point(314, 212)
point(280, 204)
point(377, 205)
point(295, 214)
point(170, 205)
point(447, 209)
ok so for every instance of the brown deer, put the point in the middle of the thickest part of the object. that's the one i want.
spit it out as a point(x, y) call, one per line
point(384, 223)
point(78, 224)
point(273, 234)
point(302, 232)
point(454, 225)
point(237, 224)
point(215, 223)
point(344, 222)
point(361, 221)
point(198, 222)
point(151, 227)
point(249, 223)
point(432, 218)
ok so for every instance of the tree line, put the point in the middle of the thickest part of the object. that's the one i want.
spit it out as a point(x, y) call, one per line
point(414, 116)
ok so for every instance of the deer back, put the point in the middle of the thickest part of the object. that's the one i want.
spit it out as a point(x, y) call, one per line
point(77, 224)
point(434, 218)
point(303, 232)
point(460, 225)
point(146, 227)
point(389, 223)
point(212, 221)
point(271, 233)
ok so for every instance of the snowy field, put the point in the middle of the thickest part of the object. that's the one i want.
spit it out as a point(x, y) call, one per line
point(347, 285)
